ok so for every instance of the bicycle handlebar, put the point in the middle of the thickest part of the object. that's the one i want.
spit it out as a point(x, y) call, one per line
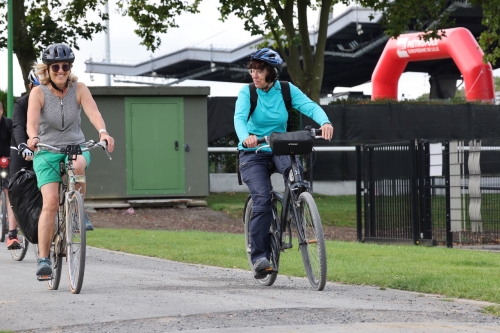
point(315, 133)
point(85, 146)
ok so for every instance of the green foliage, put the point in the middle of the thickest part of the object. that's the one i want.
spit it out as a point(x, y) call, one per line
point(497, 83)
point(3, 99)
point(285, 27)
point(53, 21)
point(155, 17)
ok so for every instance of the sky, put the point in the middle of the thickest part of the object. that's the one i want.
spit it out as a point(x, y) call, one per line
point(203, 30)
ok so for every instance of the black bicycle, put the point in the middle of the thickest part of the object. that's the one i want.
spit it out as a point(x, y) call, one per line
point(295, 208)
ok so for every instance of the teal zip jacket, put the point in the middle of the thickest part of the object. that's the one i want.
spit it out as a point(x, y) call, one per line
point(270, 114)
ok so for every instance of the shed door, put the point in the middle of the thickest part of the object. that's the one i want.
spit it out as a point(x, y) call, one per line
point(155, 145)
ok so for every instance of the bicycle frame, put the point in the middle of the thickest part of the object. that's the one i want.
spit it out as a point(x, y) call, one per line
point(293, 188)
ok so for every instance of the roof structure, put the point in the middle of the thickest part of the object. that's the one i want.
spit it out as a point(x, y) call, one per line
point(353, 48)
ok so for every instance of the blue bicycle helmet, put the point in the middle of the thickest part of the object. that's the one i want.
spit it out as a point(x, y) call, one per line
point(268, 56)
point(58, 52)
point(33, 78)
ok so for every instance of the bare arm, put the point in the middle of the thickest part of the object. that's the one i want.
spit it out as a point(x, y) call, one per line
point(86, 100)
point(35, 105)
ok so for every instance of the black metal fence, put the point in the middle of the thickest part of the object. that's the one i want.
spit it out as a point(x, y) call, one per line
point(430, 193)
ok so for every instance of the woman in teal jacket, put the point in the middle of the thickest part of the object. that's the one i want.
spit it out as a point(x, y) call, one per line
point(270, 115)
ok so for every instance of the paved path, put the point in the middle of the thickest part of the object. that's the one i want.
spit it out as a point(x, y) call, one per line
point(127, 293)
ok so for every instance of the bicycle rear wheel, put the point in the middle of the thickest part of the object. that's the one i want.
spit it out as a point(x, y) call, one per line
point(3, 215)
point(19, 253)
point(76, 242)
point(270, 278)
point(313, 246)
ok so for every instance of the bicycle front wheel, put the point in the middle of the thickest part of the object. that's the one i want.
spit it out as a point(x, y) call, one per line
point(3, 215)
point(312, 246)
point(75, 241)
point(270, 278)
point(19, 253)
point(55, 254)
point(56, 261)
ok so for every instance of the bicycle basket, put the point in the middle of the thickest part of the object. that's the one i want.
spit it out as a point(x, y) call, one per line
point(291, 143)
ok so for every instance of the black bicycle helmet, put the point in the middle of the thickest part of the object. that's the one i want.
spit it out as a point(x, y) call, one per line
point(268, 56)
point(58, 52)
point(33, 78)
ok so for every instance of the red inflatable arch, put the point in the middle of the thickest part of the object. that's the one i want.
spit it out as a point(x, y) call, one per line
point(459, 44)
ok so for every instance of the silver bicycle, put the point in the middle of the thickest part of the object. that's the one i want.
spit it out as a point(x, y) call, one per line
point(70, 235)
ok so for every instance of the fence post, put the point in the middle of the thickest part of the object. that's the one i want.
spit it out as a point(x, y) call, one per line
point(371, 195)
point(426, 228)
point(359, 212)
point(414, 190)
point(446, 169)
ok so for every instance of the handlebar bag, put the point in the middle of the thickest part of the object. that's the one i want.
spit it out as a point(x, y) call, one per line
point(26, 201)
point(291, 143)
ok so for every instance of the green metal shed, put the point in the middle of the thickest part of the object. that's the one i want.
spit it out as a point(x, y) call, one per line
point(160, 143)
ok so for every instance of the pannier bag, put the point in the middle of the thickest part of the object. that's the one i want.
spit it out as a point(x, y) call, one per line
point(297, 143)
point(26, 201)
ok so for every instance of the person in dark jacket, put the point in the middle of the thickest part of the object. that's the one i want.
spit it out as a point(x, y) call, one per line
point(5, 136)
point(21, 156)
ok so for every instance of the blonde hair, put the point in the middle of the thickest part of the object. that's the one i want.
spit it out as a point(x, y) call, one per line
point(42, 71)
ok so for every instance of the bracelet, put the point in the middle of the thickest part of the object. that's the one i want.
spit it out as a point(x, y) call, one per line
point(35, 137)
point(101, 131)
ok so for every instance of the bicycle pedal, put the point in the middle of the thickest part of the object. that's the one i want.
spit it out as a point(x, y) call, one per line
point(17, 247)
point(263, 273)
point(44, 277)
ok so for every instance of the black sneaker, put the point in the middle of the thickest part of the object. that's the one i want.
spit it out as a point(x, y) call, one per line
point(260, 268)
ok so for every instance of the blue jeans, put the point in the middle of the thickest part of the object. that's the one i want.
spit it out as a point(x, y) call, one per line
point(255, 174)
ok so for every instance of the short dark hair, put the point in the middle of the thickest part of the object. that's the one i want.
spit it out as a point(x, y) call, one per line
point(260, 65)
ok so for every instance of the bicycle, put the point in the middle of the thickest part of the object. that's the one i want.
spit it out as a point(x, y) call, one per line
point(70, 234)
point(4, 176)
point(296, 208)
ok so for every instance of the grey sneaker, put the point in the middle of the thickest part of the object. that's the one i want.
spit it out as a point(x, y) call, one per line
point(44, 267)
point(261, 268)
point(88, 225)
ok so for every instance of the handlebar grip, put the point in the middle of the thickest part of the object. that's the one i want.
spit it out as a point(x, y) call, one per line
point(259, 141)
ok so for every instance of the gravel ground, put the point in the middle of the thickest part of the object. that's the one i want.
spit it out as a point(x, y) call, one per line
point(129, 293)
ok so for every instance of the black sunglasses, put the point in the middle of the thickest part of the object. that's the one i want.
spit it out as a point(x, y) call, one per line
point(55, 68)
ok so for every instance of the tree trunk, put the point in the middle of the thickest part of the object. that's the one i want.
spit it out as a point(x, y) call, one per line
point(23, 44)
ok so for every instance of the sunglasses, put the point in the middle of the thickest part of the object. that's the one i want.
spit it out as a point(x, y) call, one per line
point(55, 68)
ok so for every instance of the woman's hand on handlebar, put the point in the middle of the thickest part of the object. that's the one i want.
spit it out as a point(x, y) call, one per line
point(327, 131)
point(32, 143)
point(250, 142)
point(111, 142)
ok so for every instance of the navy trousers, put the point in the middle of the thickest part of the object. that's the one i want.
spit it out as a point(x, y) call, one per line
point(255, 174)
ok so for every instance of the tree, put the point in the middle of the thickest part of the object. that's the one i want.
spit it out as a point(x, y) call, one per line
point(285, 26)
point(432, 16)
point(37, 24)
point(283, 23)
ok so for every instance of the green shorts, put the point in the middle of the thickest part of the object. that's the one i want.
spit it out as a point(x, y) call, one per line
point(46, 166)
